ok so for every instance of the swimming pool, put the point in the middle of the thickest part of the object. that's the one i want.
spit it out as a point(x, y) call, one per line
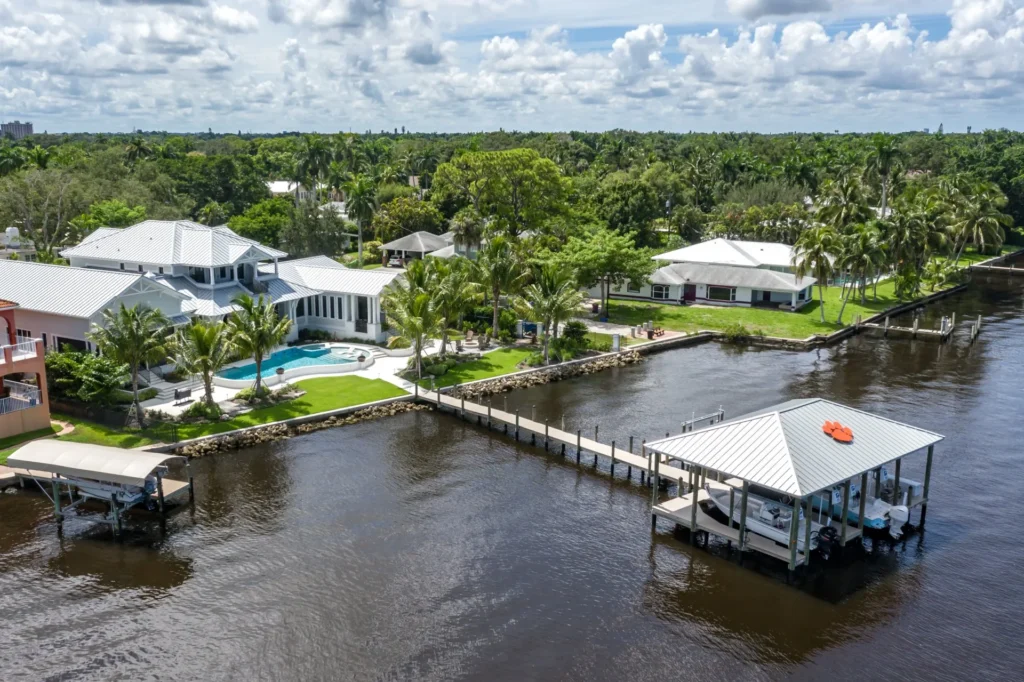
point(321, 355)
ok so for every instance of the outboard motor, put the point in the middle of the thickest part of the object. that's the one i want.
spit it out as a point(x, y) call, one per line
point(899, 516)
point(828, 540)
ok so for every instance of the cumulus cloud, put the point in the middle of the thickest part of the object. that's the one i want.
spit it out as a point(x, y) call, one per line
point(176, 62)
point(758, 9)
point(233, 20)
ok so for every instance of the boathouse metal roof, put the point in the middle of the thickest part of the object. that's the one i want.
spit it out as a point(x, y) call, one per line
point(83, 460)
point(786, 449)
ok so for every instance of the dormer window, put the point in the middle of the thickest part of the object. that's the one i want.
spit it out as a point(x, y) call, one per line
point(122, 266)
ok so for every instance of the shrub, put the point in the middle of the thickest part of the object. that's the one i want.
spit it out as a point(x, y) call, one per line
point(200, 411)
point(82, 376)
point(249, 395)
point(176, 375)
point(535, 360)
point(576, 332)
point(371, 251)
point(437, 370)
point(736, 332)
point(505, 337)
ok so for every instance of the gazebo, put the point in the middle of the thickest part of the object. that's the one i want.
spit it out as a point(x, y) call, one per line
point(798, 451)
point(413, 246)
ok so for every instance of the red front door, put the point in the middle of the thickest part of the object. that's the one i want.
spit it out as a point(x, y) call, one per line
point(689, 292)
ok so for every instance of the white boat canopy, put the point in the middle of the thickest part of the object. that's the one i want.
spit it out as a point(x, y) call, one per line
point(94, 462)
point(786, 449)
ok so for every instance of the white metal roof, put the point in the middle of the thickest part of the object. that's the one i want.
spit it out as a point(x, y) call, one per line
point(216, 302)
point(420, 242)
point(446, 252)
point(94, 462)
point(323, 274)
point(728, 275)
point(169, 243)
point(786, 449)
point(733, 252)
point(64, 290)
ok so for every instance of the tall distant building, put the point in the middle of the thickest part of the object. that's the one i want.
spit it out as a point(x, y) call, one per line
point(17, 129)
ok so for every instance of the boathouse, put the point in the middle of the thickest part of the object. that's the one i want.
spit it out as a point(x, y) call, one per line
point(799, 453)
point(118, 479)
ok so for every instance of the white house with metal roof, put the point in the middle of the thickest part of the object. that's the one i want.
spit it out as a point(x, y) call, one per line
point(342, 301)
point(725, 272)
point(60, 304)
point(210, 266)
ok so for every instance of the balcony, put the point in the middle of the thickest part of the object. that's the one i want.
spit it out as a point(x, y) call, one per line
point(21, 397)
point(23, 350)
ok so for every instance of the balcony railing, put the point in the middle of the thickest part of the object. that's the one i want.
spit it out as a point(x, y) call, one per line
point(22, 397)
point(23, 350)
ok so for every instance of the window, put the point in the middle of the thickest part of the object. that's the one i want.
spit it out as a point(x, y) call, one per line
point(317, 299)
point(140, 267)
point(160, 270)
point(23, 334)
point(122, 266)
point(721, 294)
point(333, 316)
point(803, 295)
point(632, 288)
point(300, 309)
point(341, 308)
point(659, 292)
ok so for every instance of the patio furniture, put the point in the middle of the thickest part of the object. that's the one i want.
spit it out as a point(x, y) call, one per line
point(182, 396)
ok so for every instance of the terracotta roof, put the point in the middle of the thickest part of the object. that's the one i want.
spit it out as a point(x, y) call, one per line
point(7, 304)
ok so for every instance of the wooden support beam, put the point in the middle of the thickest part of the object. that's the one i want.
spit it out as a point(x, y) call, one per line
point(546, 428)
point(846, 513)
point(160, 493)
point(57, 513)
point(927, 482)
point(743, 514)
point(794, 531)
point(807, 530)
point(863, 502)
point(191, 483)
point(613, 458)
point(517, 424)
point(643, 453)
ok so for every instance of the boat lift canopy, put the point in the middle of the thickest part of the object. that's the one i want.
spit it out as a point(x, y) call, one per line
point(94, 462)
point(786, 448)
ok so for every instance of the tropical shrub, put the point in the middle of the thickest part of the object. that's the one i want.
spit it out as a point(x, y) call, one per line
point(201, 411)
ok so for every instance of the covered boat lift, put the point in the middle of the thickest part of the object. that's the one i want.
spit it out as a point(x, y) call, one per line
point(122, 479)
point(797, 449)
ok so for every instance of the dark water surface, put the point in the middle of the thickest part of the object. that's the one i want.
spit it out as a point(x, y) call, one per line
point(425, 548)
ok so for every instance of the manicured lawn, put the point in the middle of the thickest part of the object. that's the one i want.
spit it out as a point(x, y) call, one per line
point(372, 266)
point(970, 256)
point(493, 364)
point(798, 325)
point(323, 394)
point(10, 444)
point(97, 434)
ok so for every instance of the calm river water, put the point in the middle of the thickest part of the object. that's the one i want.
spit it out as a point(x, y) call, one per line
point(425, 548)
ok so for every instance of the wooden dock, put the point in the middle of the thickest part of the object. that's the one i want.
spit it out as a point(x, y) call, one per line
point(543, 433)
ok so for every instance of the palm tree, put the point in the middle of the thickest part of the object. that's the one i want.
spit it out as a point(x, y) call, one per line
point(136, 149)
point(841, 202)
point(813, 254)
point(883, 160)
point(977, 218)
point(867, 256)
point(361, 204)
point(454, 291)
point(11, 158)
point(39, 156)
point(499, 269)
point(414, 316)
point(313, 160)
point(467, 228)
point(552, 298)
point(202, 349)
point(255, 329)
point(132, 336)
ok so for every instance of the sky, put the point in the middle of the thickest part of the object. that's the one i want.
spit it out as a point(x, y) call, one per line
point(548, 65)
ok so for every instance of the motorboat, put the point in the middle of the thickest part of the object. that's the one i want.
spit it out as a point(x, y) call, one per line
point(766, 517)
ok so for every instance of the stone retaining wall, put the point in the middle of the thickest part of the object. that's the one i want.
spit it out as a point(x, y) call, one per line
point(236, 440)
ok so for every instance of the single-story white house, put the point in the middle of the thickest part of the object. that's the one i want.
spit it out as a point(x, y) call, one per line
point(725, 272)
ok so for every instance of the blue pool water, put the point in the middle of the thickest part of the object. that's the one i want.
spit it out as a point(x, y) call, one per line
point(290, 358)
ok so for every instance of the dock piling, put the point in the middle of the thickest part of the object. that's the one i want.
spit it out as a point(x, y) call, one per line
point(927, 483)
point(57, 513)
point(917, 321)
point(191, 483)
point(160, 494)
point(613, 459)
point(807, 530)
point(517, 425)
point(546, 426)
point(489, 402)
point(743, 517)
point(643, 452)
point(846, 513)
point(579, 449)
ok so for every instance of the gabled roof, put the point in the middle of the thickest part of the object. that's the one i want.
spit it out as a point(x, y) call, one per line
point(784, 448)
point(169, 243)
point(64, 290)
point(216, 302)
point(83, 460)
point(322, 274)
point(420, 242)
point(733, 252)
point(728, 275)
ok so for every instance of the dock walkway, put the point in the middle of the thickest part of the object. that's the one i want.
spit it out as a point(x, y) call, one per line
point(555, 436)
